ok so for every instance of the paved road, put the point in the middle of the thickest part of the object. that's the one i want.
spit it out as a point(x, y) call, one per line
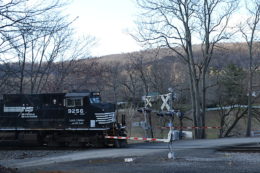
point(134, 150)
point(215, 143)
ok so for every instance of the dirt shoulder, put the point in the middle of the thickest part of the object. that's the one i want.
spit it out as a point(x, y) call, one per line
point(188, 160)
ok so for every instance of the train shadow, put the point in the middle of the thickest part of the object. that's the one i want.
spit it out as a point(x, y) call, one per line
point(7, 146)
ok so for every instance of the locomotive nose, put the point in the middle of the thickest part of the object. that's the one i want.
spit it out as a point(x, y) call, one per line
point(105, 113)
point(105, 107)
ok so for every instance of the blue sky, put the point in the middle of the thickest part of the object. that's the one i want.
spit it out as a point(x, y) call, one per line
point(109, 21)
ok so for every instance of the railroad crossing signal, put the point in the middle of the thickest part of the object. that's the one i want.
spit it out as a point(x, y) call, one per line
point(166, 102)
point(165, 99)
point(147, 101)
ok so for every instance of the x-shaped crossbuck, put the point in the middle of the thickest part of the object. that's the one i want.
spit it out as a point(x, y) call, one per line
point(166, 99)
point(148, 102)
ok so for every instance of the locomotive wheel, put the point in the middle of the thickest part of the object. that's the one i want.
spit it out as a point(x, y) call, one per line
point(120, 143)
point(123, 143)
point(99, 145)
point(117, 143)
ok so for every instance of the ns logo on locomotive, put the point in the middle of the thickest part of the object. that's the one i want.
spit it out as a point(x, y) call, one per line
point(59, 119)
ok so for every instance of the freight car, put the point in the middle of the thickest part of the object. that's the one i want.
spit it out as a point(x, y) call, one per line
point(59, 119)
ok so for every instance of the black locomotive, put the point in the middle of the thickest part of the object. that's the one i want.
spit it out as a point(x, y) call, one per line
point(59, 119)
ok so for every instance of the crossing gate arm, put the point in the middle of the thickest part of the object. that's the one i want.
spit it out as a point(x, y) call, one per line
point(136, 138)
point(191, 127)
point(172, 136)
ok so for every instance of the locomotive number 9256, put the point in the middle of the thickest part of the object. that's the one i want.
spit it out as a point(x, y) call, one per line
point(76, 111)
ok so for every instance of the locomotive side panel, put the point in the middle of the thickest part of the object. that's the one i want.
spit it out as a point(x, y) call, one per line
point(52, 111)
point(32, 111)
point(13, 110)
point(56, 111)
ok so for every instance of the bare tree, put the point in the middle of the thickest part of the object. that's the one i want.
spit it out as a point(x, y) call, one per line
point(139, 65)
point(161, 75)
point(169, 24)
point(174, 24)
point(214, 18)
point(28, 26)
point(17, 14)
point(69, 60)
point(114, 78)
point(34, 63)
point(37, 41)
point(249, 31)
point(231, 97)
point(131, 84)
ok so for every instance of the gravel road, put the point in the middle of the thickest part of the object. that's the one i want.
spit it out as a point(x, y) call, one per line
point(191, 156)
point(188, 160)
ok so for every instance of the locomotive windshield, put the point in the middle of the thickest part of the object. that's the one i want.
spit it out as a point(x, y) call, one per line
point(95, 97)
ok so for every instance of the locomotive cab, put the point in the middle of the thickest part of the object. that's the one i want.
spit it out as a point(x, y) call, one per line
point(86, 110)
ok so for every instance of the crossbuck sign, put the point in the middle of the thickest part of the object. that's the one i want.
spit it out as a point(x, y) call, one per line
point(166, 102)
point(147, 101)
point(165, 99)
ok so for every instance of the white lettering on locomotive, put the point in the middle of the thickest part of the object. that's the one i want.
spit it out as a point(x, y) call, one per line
point(76, 121)
point(24, 112)
point(28, 115)
point(18, 109)
point(76, 111)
